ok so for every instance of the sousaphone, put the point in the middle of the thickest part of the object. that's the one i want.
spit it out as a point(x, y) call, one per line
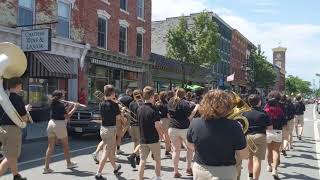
point(13, 63)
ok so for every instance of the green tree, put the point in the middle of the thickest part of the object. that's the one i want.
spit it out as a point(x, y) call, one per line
point(295, 85)
point(264, 74)
point(194, 45)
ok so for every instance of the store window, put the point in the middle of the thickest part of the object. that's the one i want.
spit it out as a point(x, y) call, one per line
point(25, 12)
point(130, 80)
point(39, 91)
point(98, 78)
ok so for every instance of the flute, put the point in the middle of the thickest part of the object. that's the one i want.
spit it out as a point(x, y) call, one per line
point(71, 102)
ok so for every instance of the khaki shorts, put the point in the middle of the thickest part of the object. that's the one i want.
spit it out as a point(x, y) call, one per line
point(165, 123)
point(154, 148)
point(290, 124)
point(202, 172)
point(178, 133)
point(299, 120)
point(274, 136)
point(135, 134)
point(108, 136)
point(260, 140)
point(57, 128)
point(11, 141)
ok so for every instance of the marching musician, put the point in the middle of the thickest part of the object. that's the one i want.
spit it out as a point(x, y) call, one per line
point(179, 112)
point(214, 157)
point(57, 129)
point(150, 128)
point(259, 122)
point(134, 158)
point(110, 114)
point(11, 139)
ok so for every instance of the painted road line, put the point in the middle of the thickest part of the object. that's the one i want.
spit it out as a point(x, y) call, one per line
point(316, 137)
point(56, 155)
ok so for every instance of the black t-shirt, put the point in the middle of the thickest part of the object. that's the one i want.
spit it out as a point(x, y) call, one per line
point(134, 105)
point(109, 111)
point(179, 115)
point(18, 104)
point(147, 116)
point(300, 108)
point(276, 116)
point(163, 109)
point(216, 141)
point(58, 110)
point(126, 100)
point(258, 121)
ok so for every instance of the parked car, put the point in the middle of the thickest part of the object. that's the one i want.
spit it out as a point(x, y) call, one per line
point(84, 121)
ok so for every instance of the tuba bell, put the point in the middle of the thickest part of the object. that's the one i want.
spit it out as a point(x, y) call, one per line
point(13, 63)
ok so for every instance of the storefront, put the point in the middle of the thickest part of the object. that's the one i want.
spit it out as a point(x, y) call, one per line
point(104, 67)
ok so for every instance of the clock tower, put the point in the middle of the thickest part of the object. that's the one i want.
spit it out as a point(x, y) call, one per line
point(279, 58)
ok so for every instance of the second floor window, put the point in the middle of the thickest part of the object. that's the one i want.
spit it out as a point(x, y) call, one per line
point(123, 40)
point(124, 5)
point(63, 28)
point(139, 45)
point(25, 12)
point(102, 32)
point(140, 8)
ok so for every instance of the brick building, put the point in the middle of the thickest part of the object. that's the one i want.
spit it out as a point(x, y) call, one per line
point(279, 60)
point(50, 70)
point(119, 33)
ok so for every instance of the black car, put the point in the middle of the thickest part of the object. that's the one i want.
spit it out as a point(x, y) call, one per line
point(85, 121)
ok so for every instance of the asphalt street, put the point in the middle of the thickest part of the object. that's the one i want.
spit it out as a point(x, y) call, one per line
point(301, 163)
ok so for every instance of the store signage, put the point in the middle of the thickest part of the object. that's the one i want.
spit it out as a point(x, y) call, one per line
point(36, 40)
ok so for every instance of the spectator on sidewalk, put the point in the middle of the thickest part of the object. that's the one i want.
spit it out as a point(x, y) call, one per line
point(300, 108)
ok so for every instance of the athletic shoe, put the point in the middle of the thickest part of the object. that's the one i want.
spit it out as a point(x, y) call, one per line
point(300, 138)
point(18, 177)
point(137, 160)
point(99, 177)
point(95, 158)
point(116, 171)
point(275, 174)
point(72, 165)
point(158, 178)
point(177, 175)
point(189, 172)
point(284, 152)
point(132, 161)
point(47, 171)
point(167, 153)
point(269, 168)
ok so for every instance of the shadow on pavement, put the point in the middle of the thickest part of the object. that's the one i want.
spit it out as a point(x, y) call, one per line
point(77, 173)
point(296, 176)
point(300, 165)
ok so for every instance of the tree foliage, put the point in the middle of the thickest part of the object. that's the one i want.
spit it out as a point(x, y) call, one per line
point(196, 44)
point(264, 74)
point(295, 85)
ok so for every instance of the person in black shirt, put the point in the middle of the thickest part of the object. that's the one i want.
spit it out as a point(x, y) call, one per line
point(110, 114)
point(134, 158)
point(287, 144)
point(162, 106)
point(150, 129)
point(11, 139)
point(179, 111)
point(216, 139)
point(57, 129)
point(300, 108)
point(258, 123)
point(274, 136)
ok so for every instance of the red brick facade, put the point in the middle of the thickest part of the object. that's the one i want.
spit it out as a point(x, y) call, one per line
point(238, 59)
point(89, 19)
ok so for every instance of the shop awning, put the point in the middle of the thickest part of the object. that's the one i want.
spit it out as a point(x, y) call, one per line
point(50, 65)
point(116, 65)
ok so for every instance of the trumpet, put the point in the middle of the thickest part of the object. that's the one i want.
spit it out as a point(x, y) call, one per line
point(240, 107)
point(74, 103)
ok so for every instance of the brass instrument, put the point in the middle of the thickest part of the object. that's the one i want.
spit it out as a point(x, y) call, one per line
point(71, 102)
point(13, 63)
point(240, 107)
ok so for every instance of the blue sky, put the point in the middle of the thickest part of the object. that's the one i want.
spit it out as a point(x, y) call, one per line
point(294, 23)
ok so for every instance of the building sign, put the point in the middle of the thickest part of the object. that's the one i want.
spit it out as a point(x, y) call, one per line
point(36, 40)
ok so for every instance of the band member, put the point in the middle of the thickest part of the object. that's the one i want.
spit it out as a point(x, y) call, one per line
point(11, 139)
point(300, 108)
point(258, 123)
point(134, 158)
point(170, 94)
point(57, 129)
point(289, 111)
point(274, 137)
point(215, 158)
point(110, 113)
point(179, 111)
point(150, 128)
point(162, 106)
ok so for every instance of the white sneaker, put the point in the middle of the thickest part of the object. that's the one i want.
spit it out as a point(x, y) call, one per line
point(47, 171)
point(157, 178)
point(72, 165)
point(275, 173)
point(269, 168)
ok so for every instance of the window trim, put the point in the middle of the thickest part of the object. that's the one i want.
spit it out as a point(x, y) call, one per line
point(70, 3)
point(126, 45)
point(106, 1)
point(142, 44)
